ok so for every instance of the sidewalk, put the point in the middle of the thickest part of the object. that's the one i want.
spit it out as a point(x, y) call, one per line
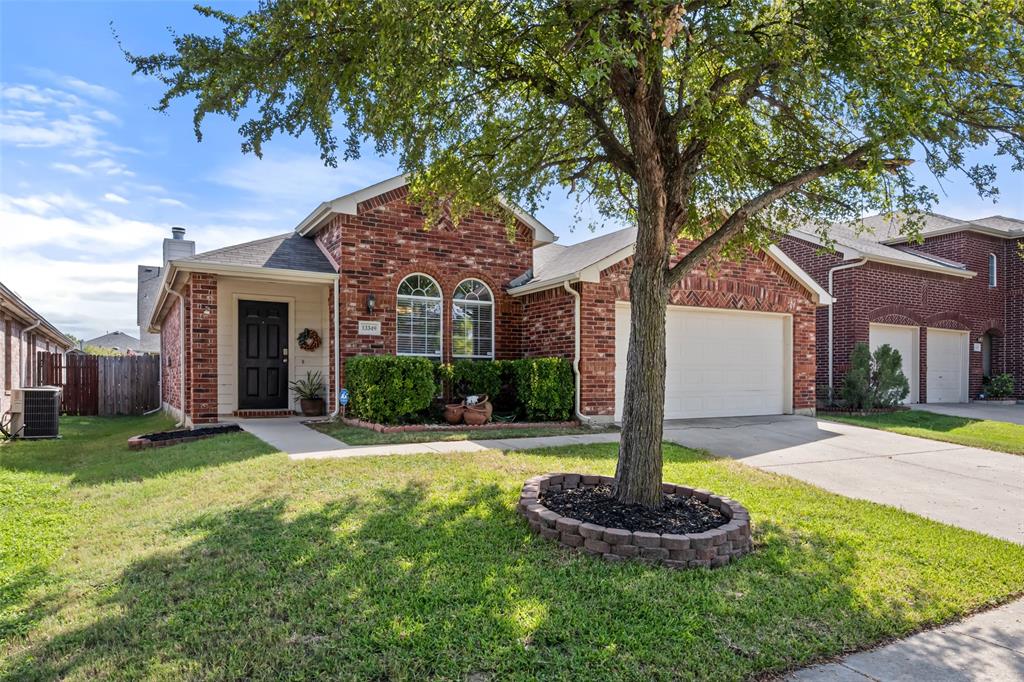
point(989, 646)
point(290, 435)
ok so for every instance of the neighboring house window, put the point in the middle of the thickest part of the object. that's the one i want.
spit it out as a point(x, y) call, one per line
point(473, 320)
point(992, 270)
point(419, 316)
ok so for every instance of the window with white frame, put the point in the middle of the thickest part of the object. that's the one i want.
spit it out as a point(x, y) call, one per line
point(419, 316)
point(473, 320)
point(992, 270)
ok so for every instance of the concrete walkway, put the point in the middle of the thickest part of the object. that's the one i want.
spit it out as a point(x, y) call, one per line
point(290, 435)
point(1000, 413)
point(459, 446)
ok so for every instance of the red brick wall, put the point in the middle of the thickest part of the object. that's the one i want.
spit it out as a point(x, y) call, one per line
point(202, 348)
point(170, 354)
point(548, 324)
point(378, 248)
point(756, 283)
point(1013, 304)
point(881, 293)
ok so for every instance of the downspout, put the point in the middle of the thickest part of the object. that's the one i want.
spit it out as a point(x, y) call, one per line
point(24, 345)
point(576, 352)
point(181, 350)
point(337, 351)
point(831, 307)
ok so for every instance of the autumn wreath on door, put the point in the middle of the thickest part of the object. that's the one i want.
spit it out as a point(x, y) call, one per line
point(309, 339)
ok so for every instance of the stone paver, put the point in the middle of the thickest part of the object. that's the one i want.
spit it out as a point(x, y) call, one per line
point(1000, 413)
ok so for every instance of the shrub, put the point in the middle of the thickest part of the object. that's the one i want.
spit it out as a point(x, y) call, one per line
point(874, 380)
point(473, 377)
point(388, 389)
point(1001, 386)
point(544, 388)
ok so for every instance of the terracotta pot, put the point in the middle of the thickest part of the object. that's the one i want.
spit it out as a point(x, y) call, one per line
point(453, 413)
point(484, 403)
point(312, 408)
point(475, 415)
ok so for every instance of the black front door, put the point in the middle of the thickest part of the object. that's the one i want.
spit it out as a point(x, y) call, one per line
point(262, 355)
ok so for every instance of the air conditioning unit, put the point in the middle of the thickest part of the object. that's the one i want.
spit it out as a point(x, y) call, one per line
point(36, 412)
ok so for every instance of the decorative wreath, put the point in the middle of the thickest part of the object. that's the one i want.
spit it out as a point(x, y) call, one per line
point(309, 339)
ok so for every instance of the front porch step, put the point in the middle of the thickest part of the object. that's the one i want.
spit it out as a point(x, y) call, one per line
point(255, 414)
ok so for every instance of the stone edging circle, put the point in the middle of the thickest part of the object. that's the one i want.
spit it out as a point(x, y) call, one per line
point(710, 549)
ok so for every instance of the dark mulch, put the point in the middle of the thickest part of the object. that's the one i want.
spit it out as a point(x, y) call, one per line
point(862, 413)
point(192, 433)
point(596, 505)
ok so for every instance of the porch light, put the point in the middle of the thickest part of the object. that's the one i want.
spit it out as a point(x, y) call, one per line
point(371, 302)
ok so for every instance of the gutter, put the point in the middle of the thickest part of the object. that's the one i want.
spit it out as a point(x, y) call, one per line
point(831, 289)
point(181, 352)
point(576, 352)
point(337, 351)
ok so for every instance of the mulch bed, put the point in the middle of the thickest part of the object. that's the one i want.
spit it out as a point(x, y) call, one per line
point(489, 426)
point(862, 413)
point(165, 438)
point(679, 515)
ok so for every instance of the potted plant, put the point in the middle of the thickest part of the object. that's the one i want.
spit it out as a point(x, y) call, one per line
point(310, 392)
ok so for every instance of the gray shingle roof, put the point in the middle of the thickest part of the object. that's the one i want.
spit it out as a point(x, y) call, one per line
point(115, 341)
point(555, 262)
point(282, 252)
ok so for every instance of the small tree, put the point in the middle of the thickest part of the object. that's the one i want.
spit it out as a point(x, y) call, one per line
point(875, 380)
point(717, 121)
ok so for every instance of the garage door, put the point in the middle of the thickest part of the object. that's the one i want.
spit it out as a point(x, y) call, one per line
point(947, 366)
point(905, 340)
point(718, 363)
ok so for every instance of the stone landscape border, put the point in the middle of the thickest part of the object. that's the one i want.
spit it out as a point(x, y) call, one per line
point(710, 549)
point(490, 426)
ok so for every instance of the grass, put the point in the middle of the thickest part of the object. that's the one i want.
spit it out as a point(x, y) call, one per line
point(356, 435)
point(222, 559)
point(977, 433)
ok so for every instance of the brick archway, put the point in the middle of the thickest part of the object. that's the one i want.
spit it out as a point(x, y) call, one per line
point(895, 314)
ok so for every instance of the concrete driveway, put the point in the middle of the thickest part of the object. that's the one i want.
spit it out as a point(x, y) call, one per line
point(968, 487)
point(1000, 413)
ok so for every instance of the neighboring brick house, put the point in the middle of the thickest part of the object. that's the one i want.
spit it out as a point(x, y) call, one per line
point(741, 341)
point(953, 304)
point(23, 334)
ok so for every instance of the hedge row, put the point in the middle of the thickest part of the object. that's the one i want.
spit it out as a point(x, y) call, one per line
point(391, 389)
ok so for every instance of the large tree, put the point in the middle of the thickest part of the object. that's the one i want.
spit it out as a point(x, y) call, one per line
point(721, 121)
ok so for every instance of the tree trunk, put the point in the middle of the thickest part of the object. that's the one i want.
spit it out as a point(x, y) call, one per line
point(638, 474)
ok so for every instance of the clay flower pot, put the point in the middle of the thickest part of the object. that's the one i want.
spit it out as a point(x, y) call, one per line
point(312, 408)
point(453, 413)
point(476, 415)
point(483, 403)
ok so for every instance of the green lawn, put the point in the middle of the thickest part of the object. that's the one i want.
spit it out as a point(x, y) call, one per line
point(977, 433)
point(222, 559)
point(355, 435)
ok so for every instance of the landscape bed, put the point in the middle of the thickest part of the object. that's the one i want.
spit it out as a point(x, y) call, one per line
point(163, 439)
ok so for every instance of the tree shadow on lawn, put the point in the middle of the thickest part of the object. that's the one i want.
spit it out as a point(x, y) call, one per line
point(94, 450)
point(424, 582)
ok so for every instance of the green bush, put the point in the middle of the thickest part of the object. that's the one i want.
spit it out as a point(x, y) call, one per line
point(874, 380)
point(1001, 386)
point(473, 377)
point(544, 388)
point(389, 389)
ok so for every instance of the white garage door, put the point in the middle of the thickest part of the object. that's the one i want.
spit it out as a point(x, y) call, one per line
point(905, 340)
point(718, 364)
point(947, 366)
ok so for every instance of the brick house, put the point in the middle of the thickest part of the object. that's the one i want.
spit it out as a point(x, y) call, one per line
point(953, 305)
point(24, 333)
point(363, 273)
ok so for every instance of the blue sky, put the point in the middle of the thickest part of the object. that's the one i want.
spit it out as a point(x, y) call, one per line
point(91, 178)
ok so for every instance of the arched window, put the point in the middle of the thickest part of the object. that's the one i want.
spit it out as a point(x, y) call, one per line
point(419, 316)
point(473, 320)
point(993, 277)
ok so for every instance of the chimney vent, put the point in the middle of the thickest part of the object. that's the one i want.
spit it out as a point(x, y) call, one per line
point(178, 232)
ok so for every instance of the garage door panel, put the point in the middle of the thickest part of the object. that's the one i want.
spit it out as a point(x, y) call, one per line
point(718, 363)
point(905, 340)
point(947, 366)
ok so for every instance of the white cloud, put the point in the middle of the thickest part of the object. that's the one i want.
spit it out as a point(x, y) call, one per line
point(114, 198)
point(89, 89)
point(166, 201)
point(69, 168)
point(111, 167)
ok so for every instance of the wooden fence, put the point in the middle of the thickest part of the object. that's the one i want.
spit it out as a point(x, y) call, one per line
point(102, 385)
